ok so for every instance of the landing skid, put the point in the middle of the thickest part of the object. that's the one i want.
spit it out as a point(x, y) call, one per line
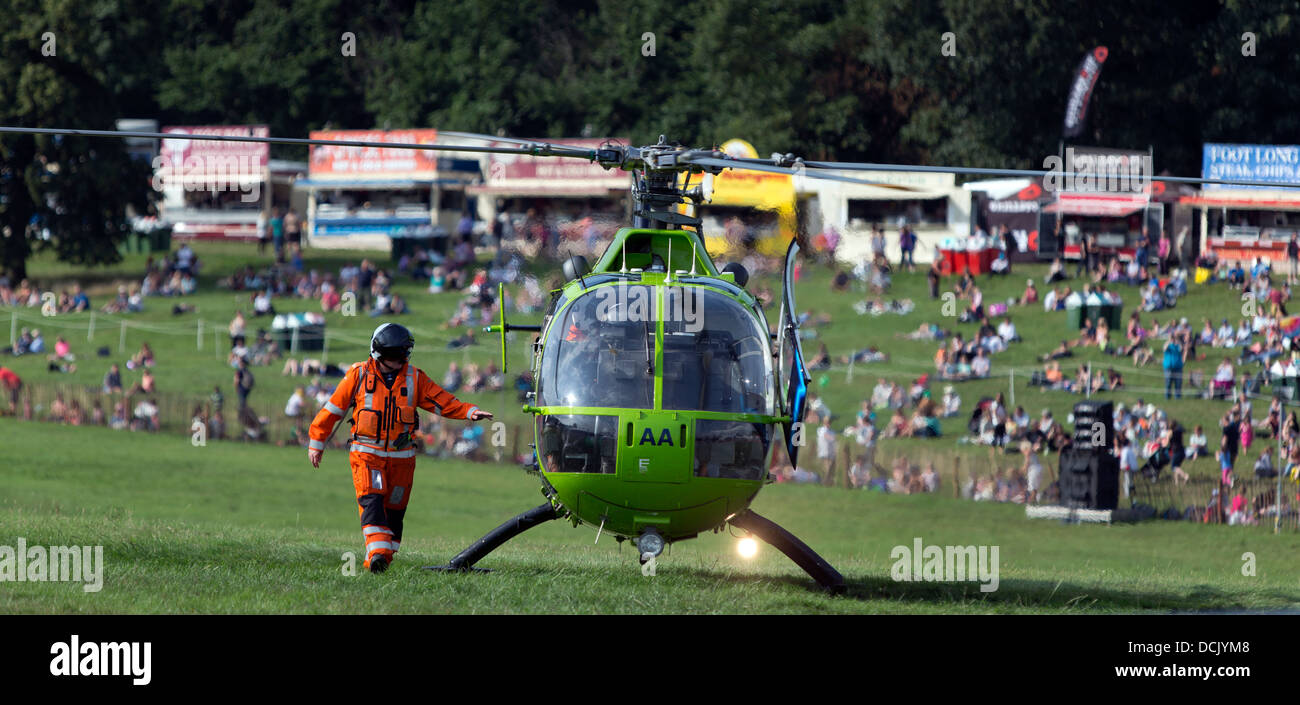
point(465, 560)
point(794, 549)
point(748, 520)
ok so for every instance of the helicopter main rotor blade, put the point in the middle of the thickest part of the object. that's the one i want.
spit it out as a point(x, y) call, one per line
point(1017, 173)
point(540, 149)
point(558, 150)
point(773, 169)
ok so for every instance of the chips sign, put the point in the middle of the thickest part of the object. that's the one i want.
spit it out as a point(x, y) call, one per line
point(374, 162)
point(1250, 162)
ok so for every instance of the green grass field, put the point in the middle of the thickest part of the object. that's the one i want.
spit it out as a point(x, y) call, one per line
point(235, 528)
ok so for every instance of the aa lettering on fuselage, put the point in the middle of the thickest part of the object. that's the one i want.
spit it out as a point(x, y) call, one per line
point(648, 436)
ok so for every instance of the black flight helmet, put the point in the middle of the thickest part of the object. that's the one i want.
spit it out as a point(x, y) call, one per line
point(391, 342)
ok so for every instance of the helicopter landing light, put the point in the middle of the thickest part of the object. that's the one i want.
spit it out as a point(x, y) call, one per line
point(747, 547)
point(650, 542)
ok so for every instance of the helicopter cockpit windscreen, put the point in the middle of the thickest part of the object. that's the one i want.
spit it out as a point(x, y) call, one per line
point(716, 354)
point(602, 353)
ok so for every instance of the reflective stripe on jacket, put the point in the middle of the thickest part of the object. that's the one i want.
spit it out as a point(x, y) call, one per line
point(377, 409)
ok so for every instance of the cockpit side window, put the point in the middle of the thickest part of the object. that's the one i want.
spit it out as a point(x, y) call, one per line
point(716, 355)
point(601, 351)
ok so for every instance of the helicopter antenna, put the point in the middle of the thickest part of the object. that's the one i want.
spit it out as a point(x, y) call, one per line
point(669, 268)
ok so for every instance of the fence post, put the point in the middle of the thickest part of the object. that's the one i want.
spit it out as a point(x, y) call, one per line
point(90, 332)
point(849, 378)
point(956, 477)
point(325, 349)
point(13, 328)
point(121, 339)
point(293, 345)
point(1088, 384)
point(848, 460)
point(1277, 503)
point(1013, 388)
point(198, 345)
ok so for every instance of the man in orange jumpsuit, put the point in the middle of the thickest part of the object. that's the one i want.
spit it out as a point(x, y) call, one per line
point(385, 391)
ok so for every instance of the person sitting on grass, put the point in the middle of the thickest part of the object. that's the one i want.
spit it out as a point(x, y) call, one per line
point(1223, 378)
point(113, 380)
point(1236, 276)
point(1264, 468)
point(1030, 296)
point(1082, 380)
point(1143, 356)
point(121, 418)
point(1055, 377)
point(146, 416)
point(1225, 336)
point(1102, 336)
point(1060, 351)
point(979, 367)
point(1056, 272)
point(1000, 266)
point(951, 402)
point(926, 331)
point(1114, 380)
point(1007, 331)
point(1135, 334)
point(1087, 335)
point(897, 425)
point(868, 354)
point(1152, 298)
point(144, 358)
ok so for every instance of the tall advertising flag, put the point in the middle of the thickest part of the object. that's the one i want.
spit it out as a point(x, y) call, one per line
point(1076, 108)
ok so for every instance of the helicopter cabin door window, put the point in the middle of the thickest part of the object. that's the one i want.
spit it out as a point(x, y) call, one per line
point(601, 354)
point(574, 443)
point(716, 355)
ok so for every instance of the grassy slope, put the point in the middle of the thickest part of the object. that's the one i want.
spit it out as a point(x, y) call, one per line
point(232, 528)
point(183, 369)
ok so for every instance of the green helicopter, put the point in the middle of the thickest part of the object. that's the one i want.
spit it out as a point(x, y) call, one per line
point(658, 384)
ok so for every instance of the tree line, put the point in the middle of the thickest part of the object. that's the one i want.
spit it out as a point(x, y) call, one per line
point(970, 82)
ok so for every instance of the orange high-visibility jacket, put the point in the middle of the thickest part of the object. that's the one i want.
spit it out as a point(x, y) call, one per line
point(383, 418)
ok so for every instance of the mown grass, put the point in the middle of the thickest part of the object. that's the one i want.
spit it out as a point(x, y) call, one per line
point(236, 528)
